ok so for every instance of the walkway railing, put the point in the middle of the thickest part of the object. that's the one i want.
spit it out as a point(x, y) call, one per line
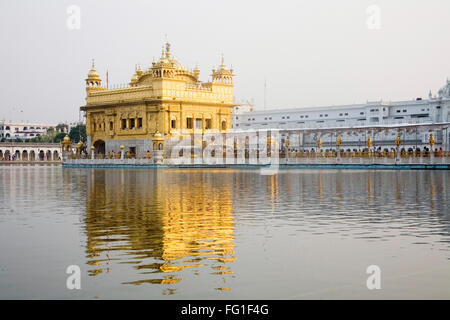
point(291, 157)
point(29, 145)
point(366, 154)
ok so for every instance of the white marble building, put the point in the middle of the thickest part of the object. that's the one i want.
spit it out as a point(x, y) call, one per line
point(14, 130)
point(381, 120)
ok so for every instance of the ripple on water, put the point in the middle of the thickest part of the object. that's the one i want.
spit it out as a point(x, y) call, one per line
point(170, 227)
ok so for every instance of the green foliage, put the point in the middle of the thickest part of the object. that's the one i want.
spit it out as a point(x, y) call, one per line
point(78, 133)
point(59, 137)
point(37, 139)
point(62, 127)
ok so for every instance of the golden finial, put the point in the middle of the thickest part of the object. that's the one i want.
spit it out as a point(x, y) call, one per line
point(167, 47)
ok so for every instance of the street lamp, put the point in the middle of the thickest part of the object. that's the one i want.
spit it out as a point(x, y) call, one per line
point(121, 151)
point(398, 142)
point(369, 145)
point(338, 144)
point(431, 142)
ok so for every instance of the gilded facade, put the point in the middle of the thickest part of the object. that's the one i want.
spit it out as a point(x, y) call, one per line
point(166, 99)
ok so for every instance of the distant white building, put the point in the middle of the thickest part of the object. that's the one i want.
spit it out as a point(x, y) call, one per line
point(241, 108)
point(15, 130)
point(377, 114)
point(19, 130)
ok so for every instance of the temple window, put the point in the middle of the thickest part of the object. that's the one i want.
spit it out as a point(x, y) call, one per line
point(198, 123)
point(208, 124)
point(124, 124)
point(111, 125)
point(189, 123)
point(173, 124)
point(224, 125)
point(140, 123)
point(132, 123)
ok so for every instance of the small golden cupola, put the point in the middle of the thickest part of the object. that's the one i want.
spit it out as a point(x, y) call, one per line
point(66, 138)
point(93, 80)
point(222, 74)
point(137, 75)
point(165, 67)
point(196, 72)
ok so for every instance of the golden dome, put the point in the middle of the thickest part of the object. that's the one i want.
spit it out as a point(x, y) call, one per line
point(157, 135)
point(137, 75)
point(66, 139)
point(93, 74)
point(139, 72)
point(135, 78)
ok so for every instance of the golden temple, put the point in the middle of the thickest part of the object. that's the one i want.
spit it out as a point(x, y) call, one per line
point(166, 99)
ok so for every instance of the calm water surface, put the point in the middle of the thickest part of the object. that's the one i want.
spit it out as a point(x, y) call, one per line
point(223, 234)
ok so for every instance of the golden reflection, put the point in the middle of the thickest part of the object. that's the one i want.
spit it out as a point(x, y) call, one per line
point(159, 222)
point(398, 189)
point(432, 184)
point(273, 189)
point(369, 188)
point(339, 188)
point(320, 186)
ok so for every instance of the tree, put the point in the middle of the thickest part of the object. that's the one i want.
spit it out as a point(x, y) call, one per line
point(62, 127)
point(37, 139)
point(78, 133)
point(59, 137)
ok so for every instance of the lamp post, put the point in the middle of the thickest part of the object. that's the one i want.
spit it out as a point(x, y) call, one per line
point(287, 144)
point(431, 142)
point(338, 144)
point(369, 145)
point(122, 147)
point(398, 142)
point(319, 146)
point(92, 152)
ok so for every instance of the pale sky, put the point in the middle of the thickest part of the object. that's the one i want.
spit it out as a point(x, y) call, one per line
point(311, 53)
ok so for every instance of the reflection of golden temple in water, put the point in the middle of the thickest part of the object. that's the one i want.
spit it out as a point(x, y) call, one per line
point(161, 221)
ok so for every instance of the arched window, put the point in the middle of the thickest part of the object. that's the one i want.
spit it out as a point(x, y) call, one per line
point(224, 125)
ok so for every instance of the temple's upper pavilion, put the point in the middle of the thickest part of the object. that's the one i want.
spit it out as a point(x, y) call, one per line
point(166, 79)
